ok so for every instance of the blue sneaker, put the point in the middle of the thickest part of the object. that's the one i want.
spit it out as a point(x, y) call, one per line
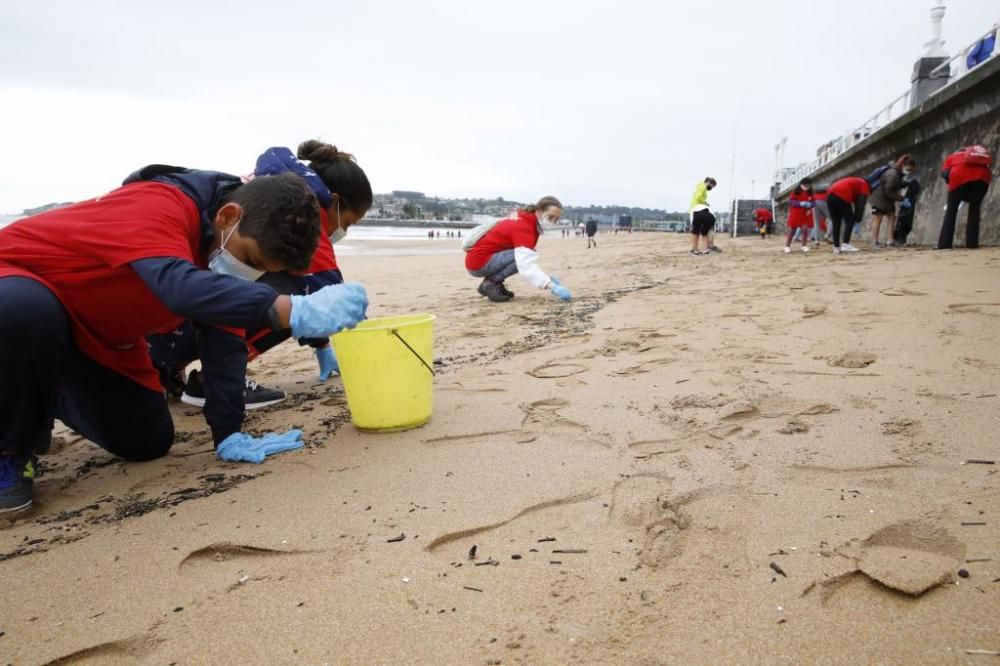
point(17, 476)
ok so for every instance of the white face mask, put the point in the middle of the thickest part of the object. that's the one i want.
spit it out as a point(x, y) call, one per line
point(221, 261)
point(337, 234)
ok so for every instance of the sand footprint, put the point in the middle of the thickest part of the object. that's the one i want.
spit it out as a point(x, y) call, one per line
point(556, 370)
point(853, 360)
point(910, 557)
point(226, 551)
point(128, 650)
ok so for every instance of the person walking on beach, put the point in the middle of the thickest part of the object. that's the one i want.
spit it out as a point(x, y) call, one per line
point(507, 247)
point(846, 200)
point(81, 287)
point(702, 220)
point(887, 184)
point(345, 196)
point(800, 220)
point(968, 175)
point(591, 232)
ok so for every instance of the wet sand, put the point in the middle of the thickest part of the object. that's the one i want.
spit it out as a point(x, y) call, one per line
point(744, 458)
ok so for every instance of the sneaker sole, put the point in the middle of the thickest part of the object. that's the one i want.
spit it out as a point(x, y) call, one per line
point(15, 509)
point(189, 400)
point(200, 402)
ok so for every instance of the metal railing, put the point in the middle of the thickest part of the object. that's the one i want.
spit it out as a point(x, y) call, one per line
point(956, 68)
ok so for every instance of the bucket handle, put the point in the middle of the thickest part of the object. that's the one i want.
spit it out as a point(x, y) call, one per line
point(412, 350)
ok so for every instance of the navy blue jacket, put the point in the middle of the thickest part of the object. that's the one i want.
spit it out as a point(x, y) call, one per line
point(208, 299)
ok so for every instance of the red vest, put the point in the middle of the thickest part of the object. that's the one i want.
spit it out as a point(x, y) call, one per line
point(82, 253)
point(520, 231)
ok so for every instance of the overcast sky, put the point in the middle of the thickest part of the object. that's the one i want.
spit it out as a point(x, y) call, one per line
point(625, 101)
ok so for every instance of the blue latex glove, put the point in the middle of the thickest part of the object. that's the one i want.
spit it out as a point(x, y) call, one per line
point(560, 291)
point(240, 447)
point(806, 204)
point(331, 309)
point(906, 203)
point(327, 363)
point(554, 279)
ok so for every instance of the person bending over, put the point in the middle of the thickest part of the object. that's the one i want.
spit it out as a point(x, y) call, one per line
point(81, 287)
point(499, 250)
point(345, 196)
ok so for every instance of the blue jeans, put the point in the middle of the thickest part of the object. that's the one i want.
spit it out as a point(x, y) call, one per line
point(500, 267)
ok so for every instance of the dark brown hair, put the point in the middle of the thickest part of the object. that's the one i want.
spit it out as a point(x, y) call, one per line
point(905, 160)
point(340, 172)
point(280, 213)
point(542, 204)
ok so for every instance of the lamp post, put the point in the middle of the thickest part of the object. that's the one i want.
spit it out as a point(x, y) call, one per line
point(935, 47)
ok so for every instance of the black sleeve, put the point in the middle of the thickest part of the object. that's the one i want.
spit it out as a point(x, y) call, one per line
point(224, 365)
point(204, 296)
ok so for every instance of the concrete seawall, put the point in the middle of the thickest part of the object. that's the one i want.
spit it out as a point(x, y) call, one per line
point(966, 112)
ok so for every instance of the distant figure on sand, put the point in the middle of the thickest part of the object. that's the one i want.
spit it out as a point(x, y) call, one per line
point(968, 175)
point(846, 199)
point(702, 220)
point(762, 217)
point(497, 250)
point(591, 231)
point(800, 219)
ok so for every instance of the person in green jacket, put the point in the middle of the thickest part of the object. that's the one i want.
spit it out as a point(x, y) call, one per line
point(702, 220)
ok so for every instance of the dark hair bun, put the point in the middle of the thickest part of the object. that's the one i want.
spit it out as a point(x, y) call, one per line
point(317, 151)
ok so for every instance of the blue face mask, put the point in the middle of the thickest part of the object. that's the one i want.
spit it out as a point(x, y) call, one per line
point(221, 261)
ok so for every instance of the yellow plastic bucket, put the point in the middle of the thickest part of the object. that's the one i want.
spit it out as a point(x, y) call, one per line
point(387, 367)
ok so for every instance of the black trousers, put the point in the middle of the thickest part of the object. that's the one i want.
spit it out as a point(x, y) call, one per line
point(904, 225)
point(972, 193)
point(46, 377)
point(842, 217)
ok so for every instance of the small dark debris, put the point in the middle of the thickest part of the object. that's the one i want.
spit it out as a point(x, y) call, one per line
point(622, 579)
point(178, 609)
point(554, 562)
point(488, 563)
point(979, 461)
point(782, 621)
point(472, 552)
point(401, 537)
point(571, 551)
point(300, 604)
point(777, 569)
point(471, 589)
point(968, 523)
point(515, 557)
point(963, 573)
point(546, 539)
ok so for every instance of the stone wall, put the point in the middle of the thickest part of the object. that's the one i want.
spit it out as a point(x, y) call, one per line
point(966, 112)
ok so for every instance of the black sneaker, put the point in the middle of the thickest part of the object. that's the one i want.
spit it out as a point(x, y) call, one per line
point(173, 381)
point(17, 476)
point(505, 291)
point(255, 396)
point(492, 291)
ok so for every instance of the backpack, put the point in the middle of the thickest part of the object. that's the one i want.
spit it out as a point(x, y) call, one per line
point(477, 234)
point(875, 177)
point(976, 156)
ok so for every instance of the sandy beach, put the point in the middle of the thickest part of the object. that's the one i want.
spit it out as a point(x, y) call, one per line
point(741, 458)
